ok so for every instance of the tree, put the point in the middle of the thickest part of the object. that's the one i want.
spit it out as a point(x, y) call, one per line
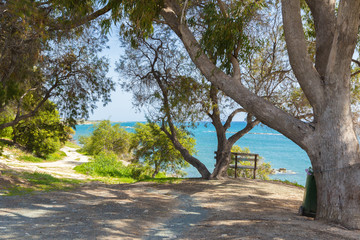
point(106, 138)
point(329, 139)
point(44, 133)
point(160, 76)
point(46, 50)
point(152, 145)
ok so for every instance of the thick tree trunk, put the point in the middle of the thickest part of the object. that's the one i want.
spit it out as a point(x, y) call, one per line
point(338, 193)
point(336, 162)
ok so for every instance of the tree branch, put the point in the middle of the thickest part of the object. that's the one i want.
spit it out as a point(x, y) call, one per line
point(81, 21)
point(324, 20)
point(262, 109)
point(32, 113)
point(307, 76)
point(250, 125)
point(231, 116)
point(343, 46)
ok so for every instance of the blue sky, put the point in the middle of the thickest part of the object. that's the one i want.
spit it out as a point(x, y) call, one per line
point(120, 108)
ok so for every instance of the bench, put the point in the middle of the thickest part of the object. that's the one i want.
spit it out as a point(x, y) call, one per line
point(239, 157)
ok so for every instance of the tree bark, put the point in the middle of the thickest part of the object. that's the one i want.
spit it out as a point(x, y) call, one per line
point(172, 135)
point(223, 153)
point(204, 172)
point(336, 162)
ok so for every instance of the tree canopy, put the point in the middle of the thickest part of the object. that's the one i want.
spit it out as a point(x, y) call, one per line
point(47, 52)
point(329, 137)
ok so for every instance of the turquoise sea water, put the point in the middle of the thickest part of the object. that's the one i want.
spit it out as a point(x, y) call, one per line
point(269, 144)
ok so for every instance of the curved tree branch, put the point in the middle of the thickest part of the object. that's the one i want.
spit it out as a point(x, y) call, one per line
point(262, 109)
point(81, 21)
point(307, 76)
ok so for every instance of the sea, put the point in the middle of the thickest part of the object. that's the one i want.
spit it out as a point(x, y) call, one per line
point(272, 146)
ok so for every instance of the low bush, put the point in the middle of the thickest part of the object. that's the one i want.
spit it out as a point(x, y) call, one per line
point(106, 164)
point(43, 134)
point(106, 137)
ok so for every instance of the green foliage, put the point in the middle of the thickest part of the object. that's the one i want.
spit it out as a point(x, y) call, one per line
point(25, 182)
point(56, 156)
point(225, 32)
point(106, 137)
point(153, 147)
point(44, 134)
point(140, 13)
point(45, 55)
point(30, 158)
point(5, 117)
point(107, 165)
point(263, 170)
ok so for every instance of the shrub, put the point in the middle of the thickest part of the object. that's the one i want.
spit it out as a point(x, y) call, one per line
point(151, 145)
point(43, 134)
point(106, 137)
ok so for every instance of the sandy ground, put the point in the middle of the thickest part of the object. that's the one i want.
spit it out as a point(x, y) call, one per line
point(193, 209)
point(62, 168)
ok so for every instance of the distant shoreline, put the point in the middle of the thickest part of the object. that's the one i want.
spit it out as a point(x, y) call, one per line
point(87, 122)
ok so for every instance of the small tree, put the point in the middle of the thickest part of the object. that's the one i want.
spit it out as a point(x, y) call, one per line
point(106, 138)
point(152, 145)
point(43, 134)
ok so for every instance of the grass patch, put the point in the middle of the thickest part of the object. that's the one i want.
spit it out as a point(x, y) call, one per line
point(30, 158)
point(287, 182)
point(72, 145)
point(107, 165)
point(106, 168)
point(56, 156)
point(18, 183)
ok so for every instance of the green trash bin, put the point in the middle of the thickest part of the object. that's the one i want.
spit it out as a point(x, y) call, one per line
point(308, 207)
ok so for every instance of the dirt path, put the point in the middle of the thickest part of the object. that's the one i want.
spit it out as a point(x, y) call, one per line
point(62, 168)
point(194, 209)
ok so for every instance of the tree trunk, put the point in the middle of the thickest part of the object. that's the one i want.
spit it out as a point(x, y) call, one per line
point(223, 159)
point(336, 162)
point(204, 172)
point(155, 172)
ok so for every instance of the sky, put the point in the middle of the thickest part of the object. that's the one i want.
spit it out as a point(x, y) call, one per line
point(120, 108)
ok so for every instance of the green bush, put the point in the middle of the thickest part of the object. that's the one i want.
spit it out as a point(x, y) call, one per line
point(263, 169)
point(152, 146)
point(43, 134)
point(106, 137)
